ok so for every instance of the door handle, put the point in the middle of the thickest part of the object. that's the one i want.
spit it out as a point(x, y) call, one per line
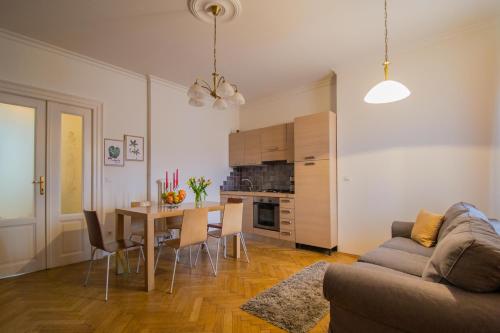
point(42, 184)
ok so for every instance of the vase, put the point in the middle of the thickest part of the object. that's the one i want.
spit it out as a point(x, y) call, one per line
point(198, 200)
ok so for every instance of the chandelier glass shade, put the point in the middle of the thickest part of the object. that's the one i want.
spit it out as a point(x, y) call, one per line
point(387, 91)
point(219, 92)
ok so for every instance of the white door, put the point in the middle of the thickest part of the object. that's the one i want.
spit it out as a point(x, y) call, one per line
point(22, 196)
point(69, 183)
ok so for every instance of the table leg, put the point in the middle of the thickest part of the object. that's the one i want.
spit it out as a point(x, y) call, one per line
point(119, 235)
point(149, 251)
point(236, 246)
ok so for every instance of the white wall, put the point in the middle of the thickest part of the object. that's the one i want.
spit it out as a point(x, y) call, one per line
point(285, 107)
point(428, 151)
point(195, 140)
point(122, 93)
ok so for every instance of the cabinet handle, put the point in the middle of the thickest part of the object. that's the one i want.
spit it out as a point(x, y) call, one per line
point(286, 211)
point(286, 233)
point(309, 158)
point(309, 163)
point(272, 148)
point(286, 222)
point(285, 200)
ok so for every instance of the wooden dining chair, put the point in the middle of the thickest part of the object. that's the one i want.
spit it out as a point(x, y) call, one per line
point(219, 225)
point(232, 223)
point(108, 249)
point(194, 232)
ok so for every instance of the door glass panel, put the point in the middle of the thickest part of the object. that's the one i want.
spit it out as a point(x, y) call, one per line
point(17, 161)
point(71, 163)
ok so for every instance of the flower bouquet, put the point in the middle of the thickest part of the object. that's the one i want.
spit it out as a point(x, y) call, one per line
point(199, 187)
point(173, 196)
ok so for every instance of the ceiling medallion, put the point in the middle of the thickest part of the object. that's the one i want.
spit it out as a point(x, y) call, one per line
point(222, 92)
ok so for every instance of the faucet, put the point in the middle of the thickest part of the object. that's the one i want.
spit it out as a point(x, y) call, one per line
point(248, 180)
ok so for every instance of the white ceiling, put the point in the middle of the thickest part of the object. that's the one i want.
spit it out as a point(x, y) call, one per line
point(274, 45)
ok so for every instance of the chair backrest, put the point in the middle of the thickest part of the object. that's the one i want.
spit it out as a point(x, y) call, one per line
point(232, 220)
point(234, 200)
point(94, 229)
point(134, 204)
point(194, 226)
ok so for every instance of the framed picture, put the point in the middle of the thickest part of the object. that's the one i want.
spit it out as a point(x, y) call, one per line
point(113, 152)
point(134, 148)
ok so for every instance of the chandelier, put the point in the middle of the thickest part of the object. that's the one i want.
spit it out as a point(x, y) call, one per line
point(387, 91)
point(221, 91)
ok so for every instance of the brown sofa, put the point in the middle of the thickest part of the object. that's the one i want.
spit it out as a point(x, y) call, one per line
point(405, 287)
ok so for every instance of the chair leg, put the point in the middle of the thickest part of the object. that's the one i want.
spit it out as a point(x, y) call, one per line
point(210, 258)
point(90, 266)
point(225, 247)
point(107, 279)
point(173, 274)
point(197, 254)
point(128, 262)
point(158, 256)
point(216, 257)
point(190, 261)
point(244, 246)
point(141, 253)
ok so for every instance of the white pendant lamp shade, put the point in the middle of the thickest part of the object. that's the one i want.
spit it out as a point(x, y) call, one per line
point(225, 89)
point(237, 98)
point(196, 102)
point(220, 104)
point(387, 91)
point(196, 91)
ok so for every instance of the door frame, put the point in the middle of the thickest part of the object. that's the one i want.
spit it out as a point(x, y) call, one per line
point(96, 109)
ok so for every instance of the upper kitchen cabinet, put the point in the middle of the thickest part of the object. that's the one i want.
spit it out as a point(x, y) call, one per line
point(252, 152)
point(313, 136)
point(236, 149)
point(273, 143)
point(290, 151)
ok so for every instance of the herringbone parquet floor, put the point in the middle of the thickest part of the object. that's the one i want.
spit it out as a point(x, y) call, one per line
point(56, 301)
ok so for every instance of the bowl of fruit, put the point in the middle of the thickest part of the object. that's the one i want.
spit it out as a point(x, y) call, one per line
point(173, 198)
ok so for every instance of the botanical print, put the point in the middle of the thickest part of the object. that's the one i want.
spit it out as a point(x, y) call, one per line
point(134, 148)
point(113, 152)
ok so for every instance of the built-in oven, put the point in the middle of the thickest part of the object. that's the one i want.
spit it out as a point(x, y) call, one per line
point(266, 213)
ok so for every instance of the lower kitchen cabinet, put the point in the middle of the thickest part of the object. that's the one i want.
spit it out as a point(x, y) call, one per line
point(315, 203)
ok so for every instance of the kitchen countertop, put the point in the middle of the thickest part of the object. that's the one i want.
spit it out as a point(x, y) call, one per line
point(258, 194)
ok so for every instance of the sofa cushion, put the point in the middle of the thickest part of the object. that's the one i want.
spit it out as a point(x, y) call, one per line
point(468, 257)
point(426, 228)
point(455, 215)
point(408, 245)
point(398, 260)
point(377, 268)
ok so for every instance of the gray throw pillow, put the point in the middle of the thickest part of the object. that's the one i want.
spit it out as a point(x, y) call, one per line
point(468, 257)
point(450, 220)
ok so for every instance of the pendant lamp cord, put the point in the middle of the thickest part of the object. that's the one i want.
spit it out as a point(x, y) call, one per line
point(386, 62)
point(215, 43)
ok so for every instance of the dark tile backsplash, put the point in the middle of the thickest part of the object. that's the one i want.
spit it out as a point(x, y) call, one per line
point(263, 177)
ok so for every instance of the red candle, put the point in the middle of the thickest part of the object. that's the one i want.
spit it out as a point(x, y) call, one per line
point(177, 176)
point(166, 180)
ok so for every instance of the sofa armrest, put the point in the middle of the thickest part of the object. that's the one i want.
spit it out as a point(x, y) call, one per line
point(409, 304)
point(401, 229)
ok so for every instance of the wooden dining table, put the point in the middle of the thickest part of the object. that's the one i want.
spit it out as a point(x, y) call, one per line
point(148, 215)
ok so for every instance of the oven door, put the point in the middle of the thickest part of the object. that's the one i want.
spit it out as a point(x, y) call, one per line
point(266, 216)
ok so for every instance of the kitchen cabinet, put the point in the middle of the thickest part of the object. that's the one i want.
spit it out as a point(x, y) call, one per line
point(313, 136)
point(247, 226)
point(273, 143)
point(290, 147)
point(252, 152)
point(236, 149)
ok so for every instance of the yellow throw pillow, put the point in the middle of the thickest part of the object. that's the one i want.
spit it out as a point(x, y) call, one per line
point(426, 228)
